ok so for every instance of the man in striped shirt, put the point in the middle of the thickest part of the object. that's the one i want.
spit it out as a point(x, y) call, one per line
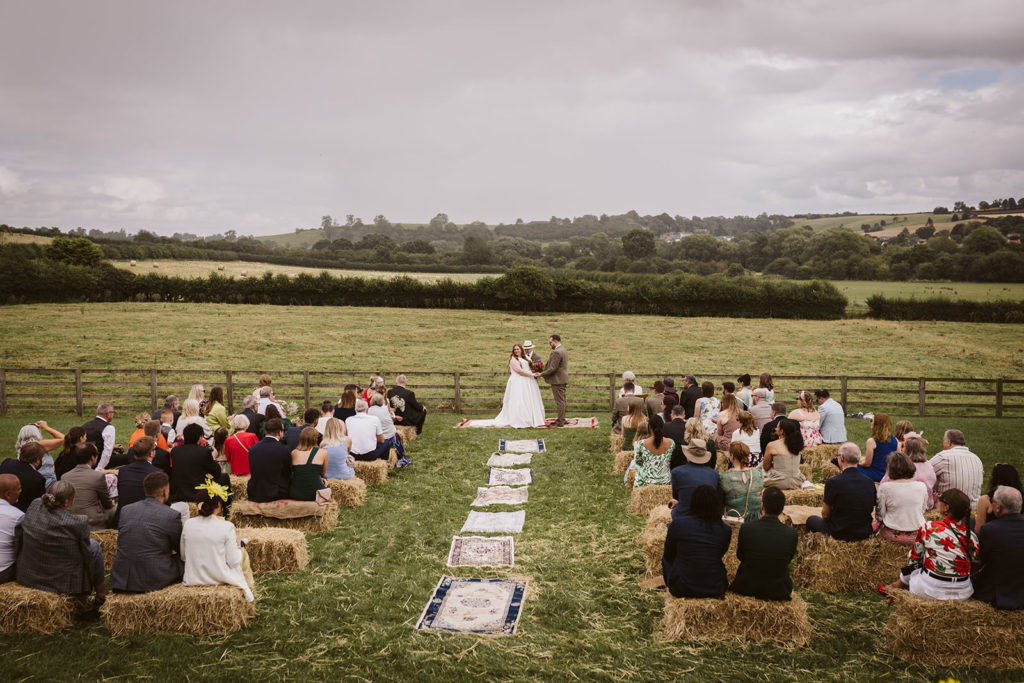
point(956, 467)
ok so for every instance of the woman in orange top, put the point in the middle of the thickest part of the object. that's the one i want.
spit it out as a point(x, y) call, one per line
point(140, 431)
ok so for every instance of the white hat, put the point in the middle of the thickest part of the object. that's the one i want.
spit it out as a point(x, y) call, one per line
point(527, 344)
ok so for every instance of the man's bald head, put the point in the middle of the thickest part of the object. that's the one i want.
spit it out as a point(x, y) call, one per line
point(10, 488)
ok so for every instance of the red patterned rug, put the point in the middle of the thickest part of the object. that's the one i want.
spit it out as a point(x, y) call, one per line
point(570, 423)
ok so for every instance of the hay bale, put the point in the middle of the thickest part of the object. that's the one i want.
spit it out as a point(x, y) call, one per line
point(832, 566)
point(191, 610)
point(616, 441)
point(239, 487)
point(348, 493)
point(952, 633)
point(738, 617)
point(630, 479)
point(828, 470)
point(652, 539)
point(392, 459)
point(805, 470)
point(643, 499)
point(373, 472)
point(310, 525)
point(107, 539)
point(622, 460)
point(274, 550)
point(808, 497)
point(27, 610)
point(818, 456)
point(408, 434)
point(132, 263)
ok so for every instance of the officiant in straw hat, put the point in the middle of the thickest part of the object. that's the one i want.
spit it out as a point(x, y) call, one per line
point(536, 362)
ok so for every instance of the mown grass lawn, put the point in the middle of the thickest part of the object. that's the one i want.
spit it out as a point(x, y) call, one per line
point(351, 614)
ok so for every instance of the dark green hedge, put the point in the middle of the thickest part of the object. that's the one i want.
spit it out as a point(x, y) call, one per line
point(944, 308)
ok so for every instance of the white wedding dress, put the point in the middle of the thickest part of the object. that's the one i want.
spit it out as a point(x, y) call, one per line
point(522, 405)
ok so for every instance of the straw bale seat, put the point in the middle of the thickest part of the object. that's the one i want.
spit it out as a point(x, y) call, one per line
point(828, 470)
point(285, 514)
point(616, 441)
point(812, 497)
point(239, 487)
point(373, 472)
point(348, 493)
point(392, 459)
point(805, 470)
point(191, 610)
point(831, 566)
point(27, 610)
point(933, 515)
point(273, 550)
point(622, 460)
point(796, 516)
point(954, 634)
point(643, 499)
point(818, 456)
point(652, 542)
point(408, 433)
point(107, 539)
point(630, 479)
point(738, 617)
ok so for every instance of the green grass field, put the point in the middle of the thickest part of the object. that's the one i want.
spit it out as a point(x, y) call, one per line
point(858, 291)
point(903, 220)
point(202, 269)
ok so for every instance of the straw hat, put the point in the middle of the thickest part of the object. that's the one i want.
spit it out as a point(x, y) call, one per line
point(697, 452)
point(527, 345)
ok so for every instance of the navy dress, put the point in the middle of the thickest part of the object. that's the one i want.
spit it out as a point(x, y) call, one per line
point(692, 564)
point(880, 460)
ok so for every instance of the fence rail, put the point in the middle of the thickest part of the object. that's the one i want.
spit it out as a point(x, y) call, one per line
point(78, 390)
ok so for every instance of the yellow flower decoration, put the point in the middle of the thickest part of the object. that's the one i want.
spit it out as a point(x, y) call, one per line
point(212, 489)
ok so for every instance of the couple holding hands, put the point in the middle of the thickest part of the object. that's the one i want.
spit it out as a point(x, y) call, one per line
point(522, 405)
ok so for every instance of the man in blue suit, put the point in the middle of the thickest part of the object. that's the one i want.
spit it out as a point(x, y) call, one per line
point(1001, 582)
point(270, 466)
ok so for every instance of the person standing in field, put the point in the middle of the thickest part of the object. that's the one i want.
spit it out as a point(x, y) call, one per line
point(556, 374)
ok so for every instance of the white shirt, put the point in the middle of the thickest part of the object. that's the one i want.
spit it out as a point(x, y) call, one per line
point(109, 436)
point(958, 468)
point(211, 554)
point(363, 430)
point(637, 390)
point(753, 441)
point(321, 424)
point(9, 518)
point(195, 420)
point(901, 504)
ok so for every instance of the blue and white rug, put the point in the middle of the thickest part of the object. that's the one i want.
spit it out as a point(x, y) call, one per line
point(484, 606)
point(521, 446)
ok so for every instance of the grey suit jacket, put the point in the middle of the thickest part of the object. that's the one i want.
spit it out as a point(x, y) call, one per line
point(92, 498)
point(148, 532)
point(557, 369)
point(53, 551)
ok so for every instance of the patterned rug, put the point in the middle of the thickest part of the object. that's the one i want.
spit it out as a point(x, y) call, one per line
point(521, 446)
point(495, 522)
point(509, 459)
point(517, 477)
point(549, 423)
point(500, 495)
point(482, 551)
point(487, 606)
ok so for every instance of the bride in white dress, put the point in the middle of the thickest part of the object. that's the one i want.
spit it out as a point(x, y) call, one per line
point(522, 405)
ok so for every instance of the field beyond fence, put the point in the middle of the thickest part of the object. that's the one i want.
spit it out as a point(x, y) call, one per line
point(79, 390)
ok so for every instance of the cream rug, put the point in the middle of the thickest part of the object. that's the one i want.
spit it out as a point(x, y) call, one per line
point(500, 495)
point(481, 551)
point(495, 522)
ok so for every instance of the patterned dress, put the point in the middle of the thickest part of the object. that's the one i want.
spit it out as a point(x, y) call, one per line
point(940, 548)
point(707, 410)
point(652, 468)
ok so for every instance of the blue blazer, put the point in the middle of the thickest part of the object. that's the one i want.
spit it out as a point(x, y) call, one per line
point(692, 564)
point(685, 479)
point(1001, 582)
point(270, 469)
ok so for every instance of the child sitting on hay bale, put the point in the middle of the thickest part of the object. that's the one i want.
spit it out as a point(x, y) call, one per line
point(765, 548)
point(694, 546)
point(848, 501)
point(211, 549)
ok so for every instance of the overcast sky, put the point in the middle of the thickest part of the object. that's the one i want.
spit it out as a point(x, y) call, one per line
point(204, 116)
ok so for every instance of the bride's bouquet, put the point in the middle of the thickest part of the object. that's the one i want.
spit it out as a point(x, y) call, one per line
point(538, 365)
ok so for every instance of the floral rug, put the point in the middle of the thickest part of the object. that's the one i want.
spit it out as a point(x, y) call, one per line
point(549, 423)
point(500, 495)
point(509, 459)
point(495, 522)
point(521, 446)
point(517, 477)
point(486, 606)
point(481, 551)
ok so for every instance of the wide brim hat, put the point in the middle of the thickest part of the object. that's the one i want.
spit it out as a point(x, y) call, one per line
point(697, 452)
point(527, 345)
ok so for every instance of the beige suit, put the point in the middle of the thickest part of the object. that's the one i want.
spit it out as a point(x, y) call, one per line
point(556, 373)
point(92, 498)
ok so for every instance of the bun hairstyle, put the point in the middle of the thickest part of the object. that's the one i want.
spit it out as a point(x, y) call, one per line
point(59, 493)
point(71, 439)
point(207, 505)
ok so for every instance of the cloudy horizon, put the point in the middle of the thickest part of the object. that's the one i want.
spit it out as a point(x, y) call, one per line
point(261, 117)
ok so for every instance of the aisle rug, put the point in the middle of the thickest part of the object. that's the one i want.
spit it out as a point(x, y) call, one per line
point(500, 495)
point(509, 459)
point(521, 446)
point(517, 477)
point(487, 606)
point(549, 423)
point(495, 522)
point(481, 551)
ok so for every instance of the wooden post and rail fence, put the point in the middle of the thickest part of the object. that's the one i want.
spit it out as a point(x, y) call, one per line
point(79, 390)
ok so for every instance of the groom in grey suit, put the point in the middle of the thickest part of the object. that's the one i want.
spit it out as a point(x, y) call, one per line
point(556, 373)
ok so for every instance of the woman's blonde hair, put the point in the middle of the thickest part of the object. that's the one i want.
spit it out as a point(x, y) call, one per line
point(197, 392)
point(729, 404)
point(643, 430)
point(307, 439)
point(747, 424)
point(634, 416)
point(805, 400)
point(901, 428)
point(695, 430)
point(334, 433)
point(141, 419)
point(190, 408)
point(881, 428)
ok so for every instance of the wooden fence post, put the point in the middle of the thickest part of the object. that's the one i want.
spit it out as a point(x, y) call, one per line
point(152, 389)
point(920, 397)
point(611, 391)
point(78, 392)
point(458, 392)
point(843, 390)
point(305, 388)
point(3, 391)
point(999, 398)
point(230, 388)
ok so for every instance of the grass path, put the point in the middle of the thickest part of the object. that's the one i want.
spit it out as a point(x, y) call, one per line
point(351, 614)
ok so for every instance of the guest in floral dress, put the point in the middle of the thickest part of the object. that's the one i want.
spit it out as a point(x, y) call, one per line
point(652, 456)
point(741, 486)
point(806, 414)
point(707, 407)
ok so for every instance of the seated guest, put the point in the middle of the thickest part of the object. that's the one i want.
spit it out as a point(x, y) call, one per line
point(31, 433)
point(749, 435)
point(849, 500)
point(141, 420)
point(55, 553)
point(190, 415)
point(622, 406)
point(675, 429)
point(832, 419)
point(376, 386)
point(900, 431)
point(688, 398)
point(10, 517)
point(781, 461)
point(255, 419)
point(408, 411)
point(148, 540)
point(706, 408)
point(191, 463)
point(667, 404)
point(652, 456)
point(326, 413)
point(167, 419)
point(915, 449)
point(392, 439)
point(742, 484)
point(629, 377)
point(26, 468)
point(220, 437)
point(880, 444)
point(274, 413)
point(337, 445)
point(270, 466)
point(1001, 581)
point(214, 411)
point(628, 425)
point(769, 432)
point(901, 502)
point(130, 477)
point(367, 434)
point(694, 546)
point(940, 560)
point(744, 395)
point(643, 431)
point(267, 399)
point(727, 421)
point(236, 446)
point(806, 414)
point(765, 548)
point(292, 434)
point(309, 466)
point(171, 403)
point(697, 471)
point(694, 431)
point(764, 381)
point(66, 460)
point(656, 401)
point(210, 547)
point(1002, 475)
point(92, 497)
point(760, 409)
point(955, 467)
point(346, 407)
